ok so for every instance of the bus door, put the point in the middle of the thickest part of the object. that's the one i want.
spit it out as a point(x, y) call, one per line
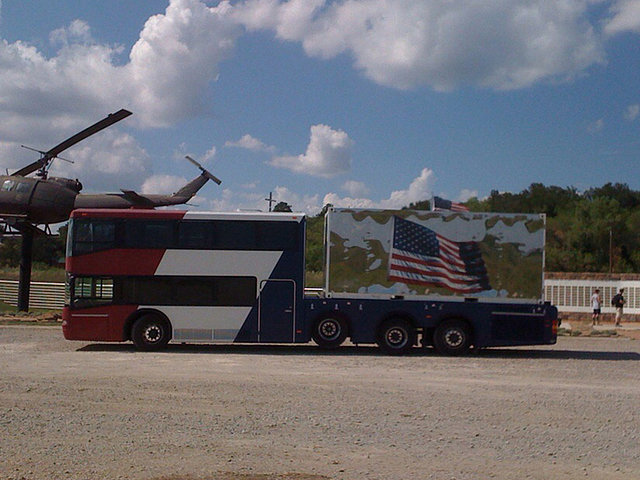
point(276, 311)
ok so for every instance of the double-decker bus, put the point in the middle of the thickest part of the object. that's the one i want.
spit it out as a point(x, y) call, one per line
point(153, 276)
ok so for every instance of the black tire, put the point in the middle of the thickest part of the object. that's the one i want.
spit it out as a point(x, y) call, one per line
point(151, 332)
point(452, 337)
point(396, 336)
point(329, 331)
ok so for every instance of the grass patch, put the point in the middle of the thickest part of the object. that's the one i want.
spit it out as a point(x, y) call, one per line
point(39, 273)
point(603, 333)
point(314, 279)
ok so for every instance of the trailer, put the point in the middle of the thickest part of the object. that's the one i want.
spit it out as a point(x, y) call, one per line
point(452, 280)
point(396, 278)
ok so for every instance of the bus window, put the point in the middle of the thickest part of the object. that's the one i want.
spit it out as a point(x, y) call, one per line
point(193, 235)
point(278, 235)
point(149, 234)
point(92, 291)
point(189, 291)
point(92, 235)
point(234, 235)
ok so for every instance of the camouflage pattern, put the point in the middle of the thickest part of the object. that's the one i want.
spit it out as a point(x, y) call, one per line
point(359, 244)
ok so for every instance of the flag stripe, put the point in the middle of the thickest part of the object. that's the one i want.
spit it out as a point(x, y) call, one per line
point(421, 256)
point(454, 279)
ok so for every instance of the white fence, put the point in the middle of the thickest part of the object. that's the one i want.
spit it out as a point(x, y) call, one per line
point(575, 295)
point(41, 294)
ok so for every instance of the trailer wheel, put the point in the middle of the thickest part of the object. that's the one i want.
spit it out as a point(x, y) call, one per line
point(452, 337)
point(151, 332)
point(329, 332)
point(396, 336)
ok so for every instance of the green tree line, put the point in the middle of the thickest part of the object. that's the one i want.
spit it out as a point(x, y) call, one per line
point(585, 231)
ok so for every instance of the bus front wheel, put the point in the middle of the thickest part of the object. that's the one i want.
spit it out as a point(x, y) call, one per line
point(329, 332)
point(150, 332)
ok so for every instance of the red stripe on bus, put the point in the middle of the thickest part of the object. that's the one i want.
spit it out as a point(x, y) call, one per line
point(128, 213)
point(117, 261)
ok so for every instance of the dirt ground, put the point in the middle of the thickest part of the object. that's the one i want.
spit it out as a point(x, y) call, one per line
point(77, 410)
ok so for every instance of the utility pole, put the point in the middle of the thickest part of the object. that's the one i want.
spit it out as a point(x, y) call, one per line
point(270, 200)
point(610, 250)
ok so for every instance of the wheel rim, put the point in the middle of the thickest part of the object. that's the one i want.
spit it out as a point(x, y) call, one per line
point(152, 334)
point(396, 337)
point(329, 329)
point(454, 338)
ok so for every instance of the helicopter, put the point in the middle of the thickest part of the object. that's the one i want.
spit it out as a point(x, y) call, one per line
point(27, 202)
point(28, 205)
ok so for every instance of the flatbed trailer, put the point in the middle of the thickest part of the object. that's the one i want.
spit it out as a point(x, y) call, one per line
point(452, 327)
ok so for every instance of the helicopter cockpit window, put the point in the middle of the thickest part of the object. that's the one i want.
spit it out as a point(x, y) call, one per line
point(7, 185)
point(23, 187)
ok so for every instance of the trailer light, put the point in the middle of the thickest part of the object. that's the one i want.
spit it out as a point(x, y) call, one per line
point(554, 327)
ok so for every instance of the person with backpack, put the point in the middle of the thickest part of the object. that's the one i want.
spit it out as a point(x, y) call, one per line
point(618, 302)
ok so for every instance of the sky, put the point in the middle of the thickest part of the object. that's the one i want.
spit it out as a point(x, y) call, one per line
point(357, 103)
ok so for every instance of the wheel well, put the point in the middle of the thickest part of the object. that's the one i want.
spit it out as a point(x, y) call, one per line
point(128, 326)
point(401, 315)
point(335, 314)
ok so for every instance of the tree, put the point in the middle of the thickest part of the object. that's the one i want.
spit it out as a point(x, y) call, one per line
point(47, 249)
point(282, 207)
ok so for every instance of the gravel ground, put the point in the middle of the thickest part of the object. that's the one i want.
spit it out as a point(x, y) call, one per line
point(97, 411)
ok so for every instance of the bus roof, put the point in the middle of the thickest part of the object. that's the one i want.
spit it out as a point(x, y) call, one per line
point(150, 214)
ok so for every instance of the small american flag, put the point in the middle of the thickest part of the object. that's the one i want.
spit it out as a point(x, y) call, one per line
point(442, 204)
point(421, 256)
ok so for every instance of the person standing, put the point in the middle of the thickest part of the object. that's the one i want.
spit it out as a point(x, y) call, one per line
point(595, 304)
point(618, 302)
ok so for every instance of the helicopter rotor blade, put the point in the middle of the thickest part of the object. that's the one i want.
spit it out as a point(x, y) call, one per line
point(69, 142)
point(204, 171)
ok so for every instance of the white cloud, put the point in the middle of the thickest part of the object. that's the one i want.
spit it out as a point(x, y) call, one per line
point(466, 194)
point(632, 111)
point(625, 17)
point(209, 154)
point(596, 126)
point(419, 189)
point(230, 200)
point(503, 44)
point(299, 202)
point(176, 58)
point(353, 187)
point(165, 79)
point(163, 184)
point(78, 31)
point(328, 154)
point(250, 143)
point(107, 161)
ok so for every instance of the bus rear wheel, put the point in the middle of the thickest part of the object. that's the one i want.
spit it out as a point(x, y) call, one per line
point(396, 336)
point(151, 332)
point(329, 332)
point(452, 337)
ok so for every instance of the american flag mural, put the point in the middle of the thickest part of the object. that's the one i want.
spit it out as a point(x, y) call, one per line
point(423, 257)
